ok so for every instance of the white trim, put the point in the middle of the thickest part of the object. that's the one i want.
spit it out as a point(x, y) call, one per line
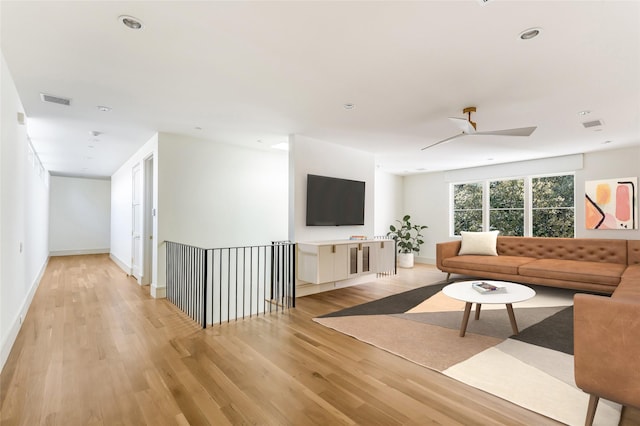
point(7, 343)
point(126, 268)
point(78, 252)
point(545, 166)
point(158, 292)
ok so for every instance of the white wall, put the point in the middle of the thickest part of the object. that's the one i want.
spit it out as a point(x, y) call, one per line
point(426, 199)
point(207, 194)
point(310, 156)
point(219, 195)
point(214, 195)
point(24, 213)
point(80, 216)
point(389, 201)
point(426, 196)
point(121, 209)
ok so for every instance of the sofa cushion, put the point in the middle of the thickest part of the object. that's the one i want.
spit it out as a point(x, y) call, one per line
point(499, 264)
point(583, 249)
point(633, 252)
point(479, 243)
point(574, 270)
point(629, 287)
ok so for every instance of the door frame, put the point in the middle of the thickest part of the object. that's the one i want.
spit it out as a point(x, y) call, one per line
point(148, 213)
point(136, 218)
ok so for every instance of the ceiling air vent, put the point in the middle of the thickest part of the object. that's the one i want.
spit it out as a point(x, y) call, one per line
point(55, 99)
point(592, 124)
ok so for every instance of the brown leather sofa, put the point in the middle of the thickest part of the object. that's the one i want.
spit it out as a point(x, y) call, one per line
point(606, 334)
point(606, 329)
point(587, 264)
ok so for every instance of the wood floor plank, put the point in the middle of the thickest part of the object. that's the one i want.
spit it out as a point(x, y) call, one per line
point(95, 348)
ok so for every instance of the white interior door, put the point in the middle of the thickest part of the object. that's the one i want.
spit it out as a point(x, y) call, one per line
point(136, 231)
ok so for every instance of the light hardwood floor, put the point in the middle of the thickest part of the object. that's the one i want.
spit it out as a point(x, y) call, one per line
point(95, 348)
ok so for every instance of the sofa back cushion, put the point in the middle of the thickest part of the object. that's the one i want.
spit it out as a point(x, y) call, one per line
point(633, 252)
point(587, 249)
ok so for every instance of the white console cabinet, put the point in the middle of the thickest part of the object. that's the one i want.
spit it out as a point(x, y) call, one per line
point(327, 261)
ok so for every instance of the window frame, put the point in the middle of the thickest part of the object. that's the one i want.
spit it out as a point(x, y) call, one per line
point(528, 200)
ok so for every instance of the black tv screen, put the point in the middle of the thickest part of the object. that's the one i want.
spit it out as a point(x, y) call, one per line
point(334, 202)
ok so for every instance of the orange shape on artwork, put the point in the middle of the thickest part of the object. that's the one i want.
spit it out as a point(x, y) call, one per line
point(603, 194)
point(593, 215)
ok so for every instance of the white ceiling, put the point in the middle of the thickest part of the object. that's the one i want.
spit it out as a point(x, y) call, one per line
point(251, 73)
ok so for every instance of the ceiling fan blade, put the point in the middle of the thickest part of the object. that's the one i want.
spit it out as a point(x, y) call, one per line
point(443, 141)
point(522, 131)
point(463, 124)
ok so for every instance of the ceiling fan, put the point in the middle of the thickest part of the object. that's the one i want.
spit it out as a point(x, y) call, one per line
point(468, 128)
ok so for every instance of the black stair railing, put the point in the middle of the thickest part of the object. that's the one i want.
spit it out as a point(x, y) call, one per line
point(224, 284)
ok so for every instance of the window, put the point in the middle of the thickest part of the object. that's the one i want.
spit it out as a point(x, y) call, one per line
point(506, 206)
point(553, 206)
point(467, 207)
point(541, 206)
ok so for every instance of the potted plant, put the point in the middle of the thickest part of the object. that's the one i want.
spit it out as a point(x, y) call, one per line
point(408, 238)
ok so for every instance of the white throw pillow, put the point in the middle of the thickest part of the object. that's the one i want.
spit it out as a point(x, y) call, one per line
point(479, 243)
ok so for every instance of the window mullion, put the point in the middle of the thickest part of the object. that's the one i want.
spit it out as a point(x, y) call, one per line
point(528, 207)
point(486, 201)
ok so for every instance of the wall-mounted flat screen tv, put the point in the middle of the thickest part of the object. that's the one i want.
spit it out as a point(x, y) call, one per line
point(334, 202)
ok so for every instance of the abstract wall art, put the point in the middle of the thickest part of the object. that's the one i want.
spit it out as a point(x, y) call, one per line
point(611, 204)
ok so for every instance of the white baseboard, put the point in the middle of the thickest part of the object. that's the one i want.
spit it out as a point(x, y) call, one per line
point(125, 267)
point(158, 292)
point(12, 334)
point(426, 260)
point(78, 252)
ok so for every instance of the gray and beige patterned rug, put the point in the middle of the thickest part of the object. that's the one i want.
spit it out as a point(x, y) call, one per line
point(533, 369)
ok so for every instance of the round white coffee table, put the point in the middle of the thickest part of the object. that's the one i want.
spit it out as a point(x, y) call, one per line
point(464, 291)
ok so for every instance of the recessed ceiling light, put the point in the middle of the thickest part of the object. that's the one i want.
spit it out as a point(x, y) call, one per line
point(349, 106)
point(530, 33)
point(584, 112)
point(103, 108)
point(131, 22)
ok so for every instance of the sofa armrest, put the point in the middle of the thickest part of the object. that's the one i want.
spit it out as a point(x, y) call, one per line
point(607, 347)
point(445, 250)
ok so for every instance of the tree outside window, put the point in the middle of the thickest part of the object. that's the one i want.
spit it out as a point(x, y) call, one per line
point(553, 206)
point(540, 207)
point(467, 207)
point(506, 207)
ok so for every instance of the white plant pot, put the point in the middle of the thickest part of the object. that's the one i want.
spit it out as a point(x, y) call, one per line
point(405, 260)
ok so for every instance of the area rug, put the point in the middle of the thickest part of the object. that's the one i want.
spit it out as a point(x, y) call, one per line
point(533, 369)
